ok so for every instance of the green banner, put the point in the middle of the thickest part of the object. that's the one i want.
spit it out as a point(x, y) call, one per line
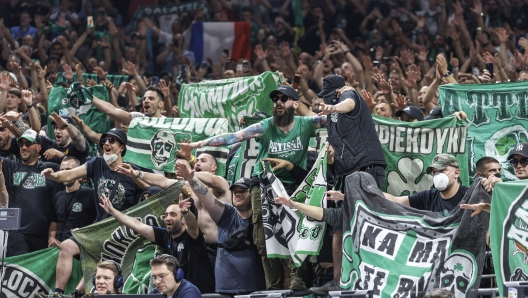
point(81, 107)
point(509, 233)
point(153, 142)
point(497, 115)
point(398, 251)
point(109, 240)
point(288, 232)
point(409, 149)
point(34, 272)
point(228, 98)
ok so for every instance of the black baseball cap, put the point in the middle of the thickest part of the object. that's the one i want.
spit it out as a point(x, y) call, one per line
point(242, 182)
point(119, 134)
point(331, 83)
point(286, 90)
point(521, 149)
point(412, 111)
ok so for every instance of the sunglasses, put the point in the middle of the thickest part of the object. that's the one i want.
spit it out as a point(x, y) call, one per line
point(515, 161)
point(26, 144)
point(110, 140)
point(282, 98)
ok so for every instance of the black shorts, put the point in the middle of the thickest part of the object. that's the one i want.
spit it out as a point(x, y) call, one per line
point(19, 243)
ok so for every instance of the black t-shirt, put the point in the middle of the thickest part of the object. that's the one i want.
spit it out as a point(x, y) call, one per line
point(192, 255)
point(70, 150)
point(34, 197)
point(103, 178)
point(82, 210)
point(13, 152)
point(431, 200)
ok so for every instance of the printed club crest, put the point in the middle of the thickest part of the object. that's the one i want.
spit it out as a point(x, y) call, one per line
point(163, 146)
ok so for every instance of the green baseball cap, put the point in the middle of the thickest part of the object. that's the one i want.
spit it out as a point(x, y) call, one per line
point(442, 161)
point(30, 135)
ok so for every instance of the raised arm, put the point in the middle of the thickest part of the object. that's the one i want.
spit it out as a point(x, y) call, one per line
point(66, 175)
point(4, 196)
point(190, 219)
point(34, 120)
point(312, 211)
point(116, 114)
point(141, 177)
point(130, 222)
point(252, 131)
point(214, 206)
point(93, 136)
point(217, 183)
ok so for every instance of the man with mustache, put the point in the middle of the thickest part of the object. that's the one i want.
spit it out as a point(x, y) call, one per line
point(283, 136)
point(182, 239)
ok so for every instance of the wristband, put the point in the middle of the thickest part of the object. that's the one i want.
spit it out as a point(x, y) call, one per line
point(30, 106)
point(191, 159)
point(140, 175)
point(454, 69)
point(448, 73)
point(184, 212)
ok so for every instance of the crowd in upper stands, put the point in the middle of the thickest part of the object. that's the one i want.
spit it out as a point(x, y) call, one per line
point(395, 53)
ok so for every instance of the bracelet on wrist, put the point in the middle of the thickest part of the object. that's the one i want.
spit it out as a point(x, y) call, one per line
point(335, 109)
point(190, 160)
point(140, 175)
point(30, 106)
point(184, 212)
point(454, 69)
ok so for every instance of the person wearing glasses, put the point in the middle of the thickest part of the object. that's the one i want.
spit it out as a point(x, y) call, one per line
point(283, 136)
point(120, 189)
point(181, 238)
point(166, 276)
point(30, 192)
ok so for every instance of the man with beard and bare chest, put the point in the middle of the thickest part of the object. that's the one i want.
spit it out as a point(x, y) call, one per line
point(182, 239)
point(283, 136)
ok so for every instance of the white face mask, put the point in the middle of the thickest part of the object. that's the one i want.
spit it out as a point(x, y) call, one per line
point(110, 158)
point(441, 180)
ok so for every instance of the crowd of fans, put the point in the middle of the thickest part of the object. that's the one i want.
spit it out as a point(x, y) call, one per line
point(395, 53)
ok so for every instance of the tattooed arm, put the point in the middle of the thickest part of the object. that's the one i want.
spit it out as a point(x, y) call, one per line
point(252, 131)
point(214, 206)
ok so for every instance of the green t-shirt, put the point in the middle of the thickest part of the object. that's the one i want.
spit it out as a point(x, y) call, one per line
point(291, 146)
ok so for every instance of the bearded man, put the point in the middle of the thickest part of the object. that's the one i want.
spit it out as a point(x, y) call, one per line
point(283, 136)
point(181, 238)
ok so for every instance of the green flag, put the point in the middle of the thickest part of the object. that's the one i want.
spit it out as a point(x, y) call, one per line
point(109, 240)
point(34, 272)
point(153, 142)
point(289, 233)
point(80, 106)
point(228, 98)
point(497, 115)
point(509, 233)
point(398, 251)
point(410, 147)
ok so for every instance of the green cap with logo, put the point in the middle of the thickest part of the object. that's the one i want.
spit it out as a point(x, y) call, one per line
point(442, 161)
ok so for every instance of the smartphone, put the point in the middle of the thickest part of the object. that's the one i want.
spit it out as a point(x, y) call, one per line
point(375, 63)
point(239, 68)
point(175, 42)
point(226, 51)
point(512, 293)
point(155, 81)
point(245, 66)
point(489, 67)
point(89, 21)
point(296, 81)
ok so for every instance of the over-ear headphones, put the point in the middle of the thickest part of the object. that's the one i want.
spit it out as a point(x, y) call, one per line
point(178, 272)
point(118, 279)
